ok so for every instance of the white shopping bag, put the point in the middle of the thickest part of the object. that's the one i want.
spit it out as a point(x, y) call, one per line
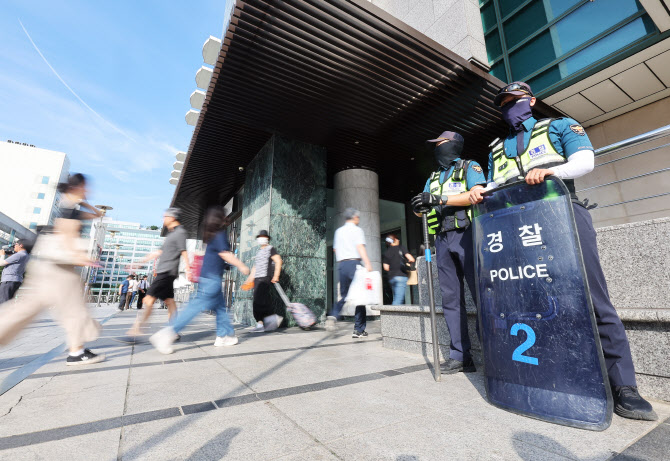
point(365, 290)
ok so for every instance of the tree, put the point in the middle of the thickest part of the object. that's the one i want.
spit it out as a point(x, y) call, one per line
point(153, 227)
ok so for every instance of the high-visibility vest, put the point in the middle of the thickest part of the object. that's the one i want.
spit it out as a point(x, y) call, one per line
point(452, 217)
point(540, 152)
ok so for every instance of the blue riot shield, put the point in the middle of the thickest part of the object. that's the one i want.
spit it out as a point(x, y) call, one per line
point(542, 354)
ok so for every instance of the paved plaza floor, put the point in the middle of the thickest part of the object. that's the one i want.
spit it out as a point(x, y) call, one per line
point(288, 395)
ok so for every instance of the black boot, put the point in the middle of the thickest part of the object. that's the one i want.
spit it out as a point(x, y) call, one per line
point(456, 366)
point(629, 404)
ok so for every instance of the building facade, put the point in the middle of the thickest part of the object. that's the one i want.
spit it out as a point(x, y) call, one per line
point(116, 244)
point(334, 100)
point(10, 230)
point(29, 192)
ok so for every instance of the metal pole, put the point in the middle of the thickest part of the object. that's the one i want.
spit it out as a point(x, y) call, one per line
point(431, 297)
point(102, 282)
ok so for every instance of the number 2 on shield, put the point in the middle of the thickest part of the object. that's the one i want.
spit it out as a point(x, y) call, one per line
point(527, 344)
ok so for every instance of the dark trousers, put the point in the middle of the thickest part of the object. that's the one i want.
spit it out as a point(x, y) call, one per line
point(346, 271)
point(613, 338)
point(8, 290)
point(140, 297)
point(454, 263)
point(122, 300)
point(262, 301)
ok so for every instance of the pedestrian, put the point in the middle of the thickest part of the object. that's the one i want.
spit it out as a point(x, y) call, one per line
point(210, 294)
point(396, 262)
point(123, 293)
point(446, 196)
point(142, 291)
point(53, 281)
point(265, 272)
point(349, 249)
point(132, 290)
point(14, 268)
point(167, 270)
point(561, 147)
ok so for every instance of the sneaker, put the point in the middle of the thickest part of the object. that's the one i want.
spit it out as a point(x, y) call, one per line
point(86, 358)
point(331, 321)
point(163, 340)
point(456, 366)
point(225, 341)
point(629, 404)
point(359, 334)
point(259, 327)
point(177, 337)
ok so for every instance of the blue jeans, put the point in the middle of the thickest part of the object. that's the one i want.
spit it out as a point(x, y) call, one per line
point(346, 271)
point(209, 297)
point(399, 283)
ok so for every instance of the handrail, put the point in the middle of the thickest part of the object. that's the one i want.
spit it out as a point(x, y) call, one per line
point(635, 140)
point(625, 144)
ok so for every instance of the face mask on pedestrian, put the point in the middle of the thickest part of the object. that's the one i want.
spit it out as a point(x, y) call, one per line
point(262, 240)
point(447, 152)
point(515, 112)
point(389, 240)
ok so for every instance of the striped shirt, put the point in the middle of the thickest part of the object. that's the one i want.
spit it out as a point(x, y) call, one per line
point(264, 262)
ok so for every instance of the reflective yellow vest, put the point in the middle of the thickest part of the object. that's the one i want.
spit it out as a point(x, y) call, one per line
point(540, 152)
point(455, 217)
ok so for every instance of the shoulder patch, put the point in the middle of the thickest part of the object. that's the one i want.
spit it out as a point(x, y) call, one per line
point(477, 168)
point(578, 129)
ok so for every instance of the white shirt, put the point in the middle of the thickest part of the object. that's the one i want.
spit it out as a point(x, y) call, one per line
point(345, 241)
point(132, 286)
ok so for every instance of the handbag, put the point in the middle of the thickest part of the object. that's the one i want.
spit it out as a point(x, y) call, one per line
point(50, 246)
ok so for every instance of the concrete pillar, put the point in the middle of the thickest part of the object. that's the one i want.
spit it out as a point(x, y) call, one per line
point(357, 188)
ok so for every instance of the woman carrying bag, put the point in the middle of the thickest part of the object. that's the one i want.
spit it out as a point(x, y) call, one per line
point(397, 262)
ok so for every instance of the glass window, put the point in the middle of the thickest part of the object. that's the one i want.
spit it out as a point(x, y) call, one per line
point(545, 79)
point(498, 70)
point(532, 56)
point(37, 210)
point(493, 46)
point(507, 6)
point(40, 195)
point(524, 23)
point(33, 225)
point(615, 41)
point(590, 20)
point(558, 7)
point(45, 180)
point(488, 16)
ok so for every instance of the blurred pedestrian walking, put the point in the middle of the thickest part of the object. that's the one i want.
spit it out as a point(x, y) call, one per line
point(167, 269)
point(396, 262)
point(142, 291)
point(266, 271)
point(123, 293)
point(349, 249)
point(210, 294)
point(132, 290)
point(14, 268)
point(51, 278)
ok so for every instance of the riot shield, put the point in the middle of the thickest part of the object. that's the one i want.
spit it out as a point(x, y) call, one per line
point(542, 354)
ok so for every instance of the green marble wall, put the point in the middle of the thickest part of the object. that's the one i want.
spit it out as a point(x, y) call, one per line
point(285, 193)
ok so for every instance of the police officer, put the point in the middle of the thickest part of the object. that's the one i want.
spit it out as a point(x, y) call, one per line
point(446, 194)
point(535, 149)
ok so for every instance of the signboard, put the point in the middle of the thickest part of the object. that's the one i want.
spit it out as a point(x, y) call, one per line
point(542, 354)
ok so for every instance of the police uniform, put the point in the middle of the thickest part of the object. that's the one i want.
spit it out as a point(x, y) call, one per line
point(453, 243)
point(548, 143)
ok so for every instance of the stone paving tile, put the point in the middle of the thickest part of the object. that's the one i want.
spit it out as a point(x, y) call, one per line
point(100, 446)
point(254, 431)
point(651, 447)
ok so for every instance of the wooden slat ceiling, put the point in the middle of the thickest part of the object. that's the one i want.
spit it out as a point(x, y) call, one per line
point(341, 74)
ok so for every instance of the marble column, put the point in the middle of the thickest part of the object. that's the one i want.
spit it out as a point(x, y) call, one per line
point(285, 193)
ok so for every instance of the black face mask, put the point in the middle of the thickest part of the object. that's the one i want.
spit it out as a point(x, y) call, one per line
point(515, 112)
point(446, 153)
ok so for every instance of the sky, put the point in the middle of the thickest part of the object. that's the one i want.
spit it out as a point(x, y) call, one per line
point(109, 86)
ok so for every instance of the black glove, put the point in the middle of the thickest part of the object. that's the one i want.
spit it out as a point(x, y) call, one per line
point(425, 199)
